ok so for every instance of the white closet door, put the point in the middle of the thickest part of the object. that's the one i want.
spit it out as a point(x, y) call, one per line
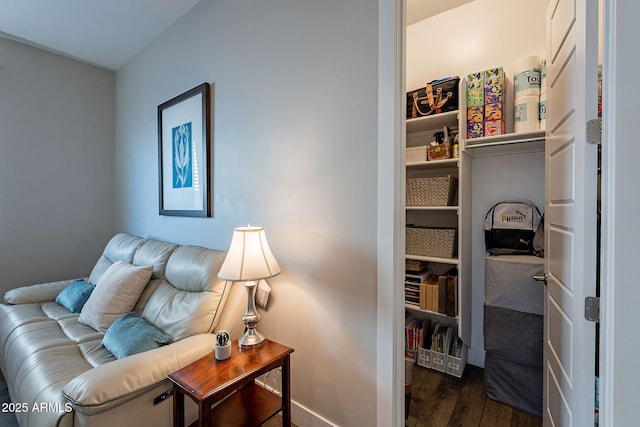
point(570, 213)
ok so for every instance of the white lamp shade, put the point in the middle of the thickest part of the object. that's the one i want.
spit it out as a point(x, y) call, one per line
point(249, 257)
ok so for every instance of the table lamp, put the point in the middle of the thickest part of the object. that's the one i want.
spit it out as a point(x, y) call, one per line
point(249, 260)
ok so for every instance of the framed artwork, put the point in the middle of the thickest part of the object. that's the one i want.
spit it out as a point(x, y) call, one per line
point(184, 160)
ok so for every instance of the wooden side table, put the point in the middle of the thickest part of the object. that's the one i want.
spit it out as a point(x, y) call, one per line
point(209, 381)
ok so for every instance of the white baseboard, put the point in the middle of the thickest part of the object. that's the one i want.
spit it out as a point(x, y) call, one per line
point(300, 414)
point(475, 357)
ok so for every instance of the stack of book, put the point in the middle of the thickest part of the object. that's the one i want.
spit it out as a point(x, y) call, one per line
point(426, 291)
point(417, 336)
point(413, 282)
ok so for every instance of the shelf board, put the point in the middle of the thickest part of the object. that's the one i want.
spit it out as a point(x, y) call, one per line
point(416, 308)
point(510, 143)
point(434, 164)
point(251, 405)
point(453, 261)
point(437, 121)
point(433, 208)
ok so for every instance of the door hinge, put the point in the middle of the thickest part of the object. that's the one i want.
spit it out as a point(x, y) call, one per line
point(592, 309)
point(541, 278)
point(594, 131)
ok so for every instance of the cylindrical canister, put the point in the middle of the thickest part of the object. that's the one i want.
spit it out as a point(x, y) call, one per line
point(542, 111)
point(525, 117)
point(526, 76)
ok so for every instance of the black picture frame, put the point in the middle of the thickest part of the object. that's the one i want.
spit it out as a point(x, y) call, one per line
point(184, 158)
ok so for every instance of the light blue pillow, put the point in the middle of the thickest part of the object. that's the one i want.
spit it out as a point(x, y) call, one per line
point(131, 334)
point(75, 295)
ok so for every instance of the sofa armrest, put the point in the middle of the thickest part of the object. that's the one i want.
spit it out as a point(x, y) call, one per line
point(43, 292)
point(113, 383)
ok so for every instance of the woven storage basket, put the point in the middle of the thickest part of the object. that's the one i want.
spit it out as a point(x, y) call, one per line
point(437, 191)
point(433, 242)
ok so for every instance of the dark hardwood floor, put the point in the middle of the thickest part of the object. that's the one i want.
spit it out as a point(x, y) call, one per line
point(441, 400)
point(438, 400)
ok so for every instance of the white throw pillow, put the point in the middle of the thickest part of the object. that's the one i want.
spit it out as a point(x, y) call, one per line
point(116, 293)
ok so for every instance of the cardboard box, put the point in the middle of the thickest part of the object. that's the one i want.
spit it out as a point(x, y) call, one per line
point(416, 154)
point(475, 114)
point(494, 127)
point(475, 80)
point(475, 130)
point(494, 76)
point(493, 94)
point(475, 97)
point(494, 111)
point(439, 152)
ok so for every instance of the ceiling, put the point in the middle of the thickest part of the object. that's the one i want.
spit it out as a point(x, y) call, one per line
point(417, 10)
point(105, 33)
point(109, 33)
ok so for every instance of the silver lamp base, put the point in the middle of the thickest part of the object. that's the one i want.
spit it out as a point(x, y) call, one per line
point(251, 337)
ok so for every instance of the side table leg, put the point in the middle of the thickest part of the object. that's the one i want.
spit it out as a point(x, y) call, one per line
point(286, 393)
point(178, 407)
point(204, 415)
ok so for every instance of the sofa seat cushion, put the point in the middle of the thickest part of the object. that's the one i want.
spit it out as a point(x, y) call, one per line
point(78, 332)
point(56, 312)
point(12, 316)
point(95, 353)
point(116, 293)
point(28, 339)
point(40, 380)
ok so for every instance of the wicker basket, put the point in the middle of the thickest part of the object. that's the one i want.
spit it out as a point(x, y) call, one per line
point(437, 191)
point(432, 242)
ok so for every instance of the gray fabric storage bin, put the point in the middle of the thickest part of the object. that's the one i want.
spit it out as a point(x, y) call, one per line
point(514, 335)
point(512, 383)
point(513, 331)
point(508, 283)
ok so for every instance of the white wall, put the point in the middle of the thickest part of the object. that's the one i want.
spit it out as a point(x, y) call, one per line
point(56, 165)
point(476, 36)
point(620, 346)
point(295, 150)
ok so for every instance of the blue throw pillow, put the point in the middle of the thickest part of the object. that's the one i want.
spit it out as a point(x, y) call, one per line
point(131, 334)
point(75, 295)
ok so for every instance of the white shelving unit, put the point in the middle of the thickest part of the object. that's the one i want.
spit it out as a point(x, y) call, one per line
point(419, 131)
point(506, 144)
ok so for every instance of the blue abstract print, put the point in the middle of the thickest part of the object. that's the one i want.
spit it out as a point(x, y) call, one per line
point(182, 170)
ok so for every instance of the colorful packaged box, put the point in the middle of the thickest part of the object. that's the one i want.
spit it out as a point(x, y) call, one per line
point(475, 130)
point(494, 127)
point(494, 111)
point(475, 80)
point(475, 114)
point(494, 76)
point(493, 94)
point(475, 97)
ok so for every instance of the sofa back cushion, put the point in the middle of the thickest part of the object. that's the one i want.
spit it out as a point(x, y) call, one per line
point(121, 247)
point(155, 254)
point(189, 299)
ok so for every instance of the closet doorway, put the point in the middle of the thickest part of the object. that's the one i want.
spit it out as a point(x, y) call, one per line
point(468, 50)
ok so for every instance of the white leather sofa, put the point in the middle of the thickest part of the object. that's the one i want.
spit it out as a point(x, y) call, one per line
point(57, 370)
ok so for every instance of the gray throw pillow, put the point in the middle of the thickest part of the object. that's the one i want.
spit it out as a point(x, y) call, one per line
point(116, 293)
